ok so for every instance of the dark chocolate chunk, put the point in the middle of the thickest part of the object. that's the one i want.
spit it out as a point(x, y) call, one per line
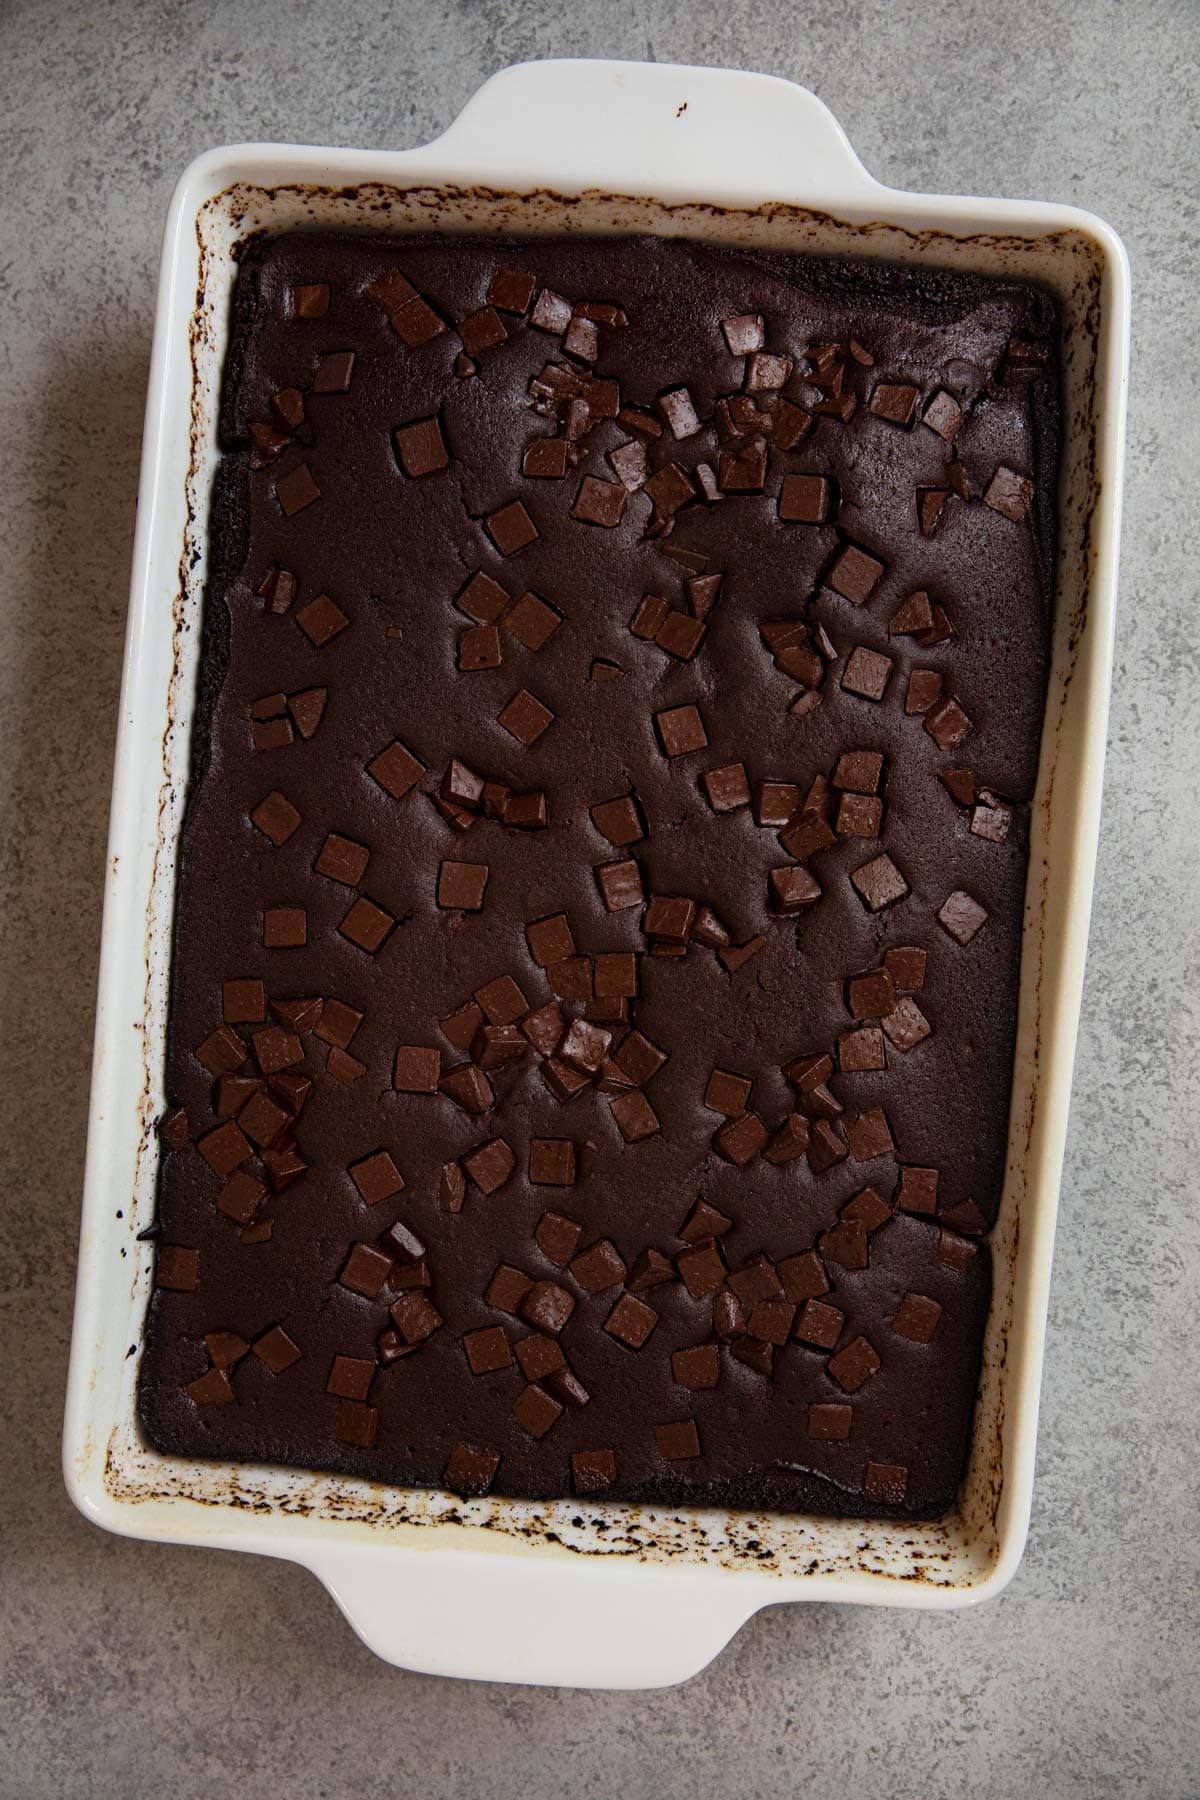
point(852, 1367)
point(805, 499)
point(1009, 493)
point(961, 917)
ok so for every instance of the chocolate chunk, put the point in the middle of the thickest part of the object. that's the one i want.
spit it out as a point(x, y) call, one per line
point(213, 1388)
point(599, 502)
point(276, 1349)
point(944, 415)
point(886, 1482)
point(959, 784)
point(482, 330)
point(479, 648)
point(859, 772)
point(740, 1140)
point(789, 424)
point(789, 1141)
point(545, 1305)
point(470, 1471)
point(809, 1072)
point(869, 1135)
point(907, 967)
point(271, 734)
point(415, 1318)
point(872, 995)
point(924, 689)
point(703, 1222)
point(490, 1164)
point(634, 1116)
point(311, 301)
point(825, 1147)
point(357, 1424)
point(931, 504)
point(222, 1051)
point(416, 322)
point(678, 413)
point(819, 1325)
point(297, 489)
point(619, 820)
point(939, 632)
point(584, 1046)
point(726, 1093)
point(396, 770)
point(830, 1423)
point(792, 888)
point(350, 1377)
point(177, 1268)
point(854, 574)
point(859, 815)
point(321, 620)
point(854, 1365)
point(701, 1268)
point(342, 860)
point(771, 1321)
point(366, 1270)
point(966, 1217)
point(552, 1164)
point(680, 635)
point(278, 589)
point(955, 1252)
point(551, 312)
point(729, 1320)
point(681, 730)
point(367, 925)
point(670, 488)
point(487, 1350)
point(677, 1441)
point(416, 1069)
point(511, 528)
point(744, 334)
point(501, 1001)
point(631, 1321)
point(806, 836)
point(649, 1269)
point(846, 1245)
point(344, 1068)
point(917, 1318)
point(756, 1353)
point(461, 886)
point(991, 820)
point(1007, 493)
point(697, 1368)
point(468, 1087)
point(861, 1051)
point(727, 788)
point(947, 724)
point(867, 673)
point(803, 1277)
point(334, 372)
point(225, 1149)
point(525, 718)
point(962, 917)
point(918, 1190)
point(620, 885)
point(805, 499)
point(376, 1177)
point(545, 459)
point(906, 1025)
point(263, 1120)
point(757, 1279)
point(895, 402)
point(743, 470)
point(879, 883)
point(765, 373)
point(225, 1348)
point(173, 1127)
point(582, 340)
point(775, 802)
point(532, 622)
point(276, 817)
point(421, 447)
point(670, 917)
point(240, 1197)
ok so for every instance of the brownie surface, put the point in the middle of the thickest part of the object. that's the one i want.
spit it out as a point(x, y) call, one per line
point(659, 634)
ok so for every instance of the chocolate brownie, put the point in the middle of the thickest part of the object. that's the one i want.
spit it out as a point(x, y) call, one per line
point(600, 895)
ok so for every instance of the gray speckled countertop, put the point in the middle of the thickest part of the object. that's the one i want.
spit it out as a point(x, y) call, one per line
point(133, 1670)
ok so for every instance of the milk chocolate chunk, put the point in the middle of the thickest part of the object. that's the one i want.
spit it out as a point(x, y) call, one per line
point(806, 835)
point(649, 1269)
point(599, 502)
point(886, 1482)
point(792, 888)
point(631, 1321)
point(213, 1388)
point(276, 1349)
point(829, 1422)
point(947, 724)
point(1009, 493)
point(620, 885)
point(525, 718)
point(729, 1318)
point(416, 1069)
point(745, 333)
point(743, 470)
point(959, 784)
point(490, 1164)
point(367, 925)
point(803, 1277)
point(859, 815)
point(859, 772)
point(991, 819)
point(297, 489)
point(917, 1318)
point(861, 1051)
point(670, 488)
point(634, 1116)
point(545, 1305)
point(701, 1268)
point(825, 1146)
point(879, 883)
point(462, 886)
point(704, 1221)
point(755, 1352)
point(680, 635)
point(931, 504)
point(765, 372)
point(846, 1244)
point(741, 1139)
point(789, 1141)
point(944, 415)
point(895, 402)
point(906, 964)
point(854, 574)
point(961, 917)
point(225, 1148)
point(906, 1025)
point(872, 995)
point(867, 673)
point(697, 1368)
point(468, 1087)
point(321, 621)
point(775, 802)
point(940, 632)
point(415, 1318)
point(852, 1367)
point(511, 528)
point(805, 499)
point(819, 1324)
point(677, 1441)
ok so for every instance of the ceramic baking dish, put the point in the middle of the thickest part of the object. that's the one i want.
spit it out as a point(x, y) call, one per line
point(617, 1595)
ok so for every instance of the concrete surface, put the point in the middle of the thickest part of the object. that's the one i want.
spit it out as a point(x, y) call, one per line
point(131, 1670)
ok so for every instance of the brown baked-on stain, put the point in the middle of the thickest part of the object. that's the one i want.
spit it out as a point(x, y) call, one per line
point(378, 199)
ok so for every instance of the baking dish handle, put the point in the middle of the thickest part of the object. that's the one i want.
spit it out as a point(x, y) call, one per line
point(599, 1623)
point(656, 128)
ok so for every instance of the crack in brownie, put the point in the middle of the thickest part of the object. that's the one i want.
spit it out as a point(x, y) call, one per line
point(600, 895)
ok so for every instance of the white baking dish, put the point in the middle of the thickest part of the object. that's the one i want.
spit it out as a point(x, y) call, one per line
point(615, 1596)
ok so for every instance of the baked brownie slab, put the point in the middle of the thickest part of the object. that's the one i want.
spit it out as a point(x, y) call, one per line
point(600, 897)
